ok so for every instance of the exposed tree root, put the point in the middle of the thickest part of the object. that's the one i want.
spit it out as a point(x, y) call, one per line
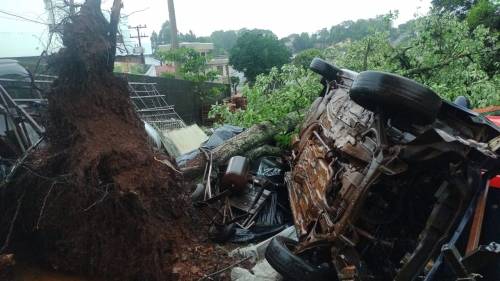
point(116, 213)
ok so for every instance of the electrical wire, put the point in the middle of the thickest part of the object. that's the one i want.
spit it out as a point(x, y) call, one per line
point(21, 17)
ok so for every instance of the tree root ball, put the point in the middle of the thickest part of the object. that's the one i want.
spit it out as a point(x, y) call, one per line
point(94, 199)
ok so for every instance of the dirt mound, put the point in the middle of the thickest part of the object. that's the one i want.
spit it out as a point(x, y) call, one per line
point(95, 200)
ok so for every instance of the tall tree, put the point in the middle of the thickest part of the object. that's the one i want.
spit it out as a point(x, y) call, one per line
point(323, 37)
point(164, 35)
point(188, 37)
point(457, 7)
point(257, 51)
point(224, 40)
point(443, 54)
point(302, 42)
point(485, 12)
point(154, 41)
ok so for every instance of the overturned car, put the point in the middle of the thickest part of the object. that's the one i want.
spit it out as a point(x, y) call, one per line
point(384, 173)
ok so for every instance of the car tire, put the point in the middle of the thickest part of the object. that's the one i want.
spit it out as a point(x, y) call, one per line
point(396, 96)
point(292, 267)
point(325, 69)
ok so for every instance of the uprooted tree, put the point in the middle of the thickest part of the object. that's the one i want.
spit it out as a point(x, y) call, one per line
point(93, 197)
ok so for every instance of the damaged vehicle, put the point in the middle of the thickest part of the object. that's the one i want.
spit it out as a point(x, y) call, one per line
point(383, 182)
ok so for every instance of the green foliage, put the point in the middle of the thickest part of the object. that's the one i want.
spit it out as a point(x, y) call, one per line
point(457, 7)
point(371, 52)
point(485, 12)
point(442, 53)
point(138, 69)
point(167, 75)
point(164, 36)
point(256, 52)
point(188, 37)
point(154, 41)
point(273, 96)
point(223, 40)
point(304, 58)
point(118, 69)
point(449, 58)
point(235, 81)
point(439, 50)
point(192, 65)
point(345, 31)
point(302, 42)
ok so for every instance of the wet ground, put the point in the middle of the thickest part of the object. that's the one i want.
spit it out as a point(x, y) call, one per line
point(26, 272)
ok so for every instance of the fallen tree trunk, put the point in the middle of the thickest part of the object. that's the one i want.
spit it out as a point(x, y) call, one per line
point(257, 136)
point(265, 150)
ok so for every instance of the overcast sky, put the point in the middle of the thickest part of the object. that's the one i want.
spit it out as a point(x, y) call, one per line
point(21, 38)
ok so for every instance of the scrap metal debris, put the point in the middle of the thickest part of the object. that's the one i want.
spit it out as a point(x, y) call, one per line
point(250, 204)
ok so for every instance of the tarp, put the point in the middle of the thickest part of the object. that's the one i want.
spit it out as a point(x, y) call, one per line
point(219, 136)
point(185, 139)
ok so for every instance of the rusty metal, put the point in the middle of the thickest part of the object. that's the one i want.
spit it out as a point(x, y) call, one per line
point(345, 154)
point(236, 175)
point(477, 222)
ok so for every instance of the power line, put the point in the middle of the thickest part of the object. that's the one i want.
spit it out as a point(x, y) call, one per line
point(21, 17)
point(139, 36)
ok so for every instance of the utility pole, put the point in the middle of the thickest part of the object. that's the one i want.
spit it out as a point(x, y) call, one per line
point(173, 25)
point(139, 36)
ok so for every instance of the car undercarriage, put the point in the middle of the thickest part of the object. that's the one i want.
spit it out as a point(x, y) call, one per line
point(379, 183)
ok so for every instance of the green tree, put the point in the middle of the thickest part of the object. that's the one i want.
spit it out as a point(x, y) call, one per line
point(457, 7)
point(450, 58)
point(154, 41)
point(372, 52)
point(164, 36)
point(323, 37)
point(443, 54)
point(188, 37)
point(485, 12)
point(223, 40)
point(235, 81)
point(257, 51)
point(192, 65)
point(275, 95)
point(356, 30)
point(439, 50)
point(304, 58)
point(302, 42)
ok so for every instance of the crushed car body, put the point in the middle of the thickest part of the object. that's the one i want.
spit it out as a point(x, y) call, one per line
point(382, 173)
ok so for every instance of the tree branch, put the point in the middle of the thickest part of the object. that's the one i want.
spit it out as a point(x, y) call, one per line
point(113, 30)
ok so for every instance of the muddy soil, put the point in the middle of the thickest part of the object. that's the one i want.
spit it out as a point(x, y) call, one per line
point(94, 200)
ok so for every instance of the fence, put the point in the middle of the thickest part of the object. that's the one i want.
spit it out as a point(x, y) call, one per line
point(185, 95)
